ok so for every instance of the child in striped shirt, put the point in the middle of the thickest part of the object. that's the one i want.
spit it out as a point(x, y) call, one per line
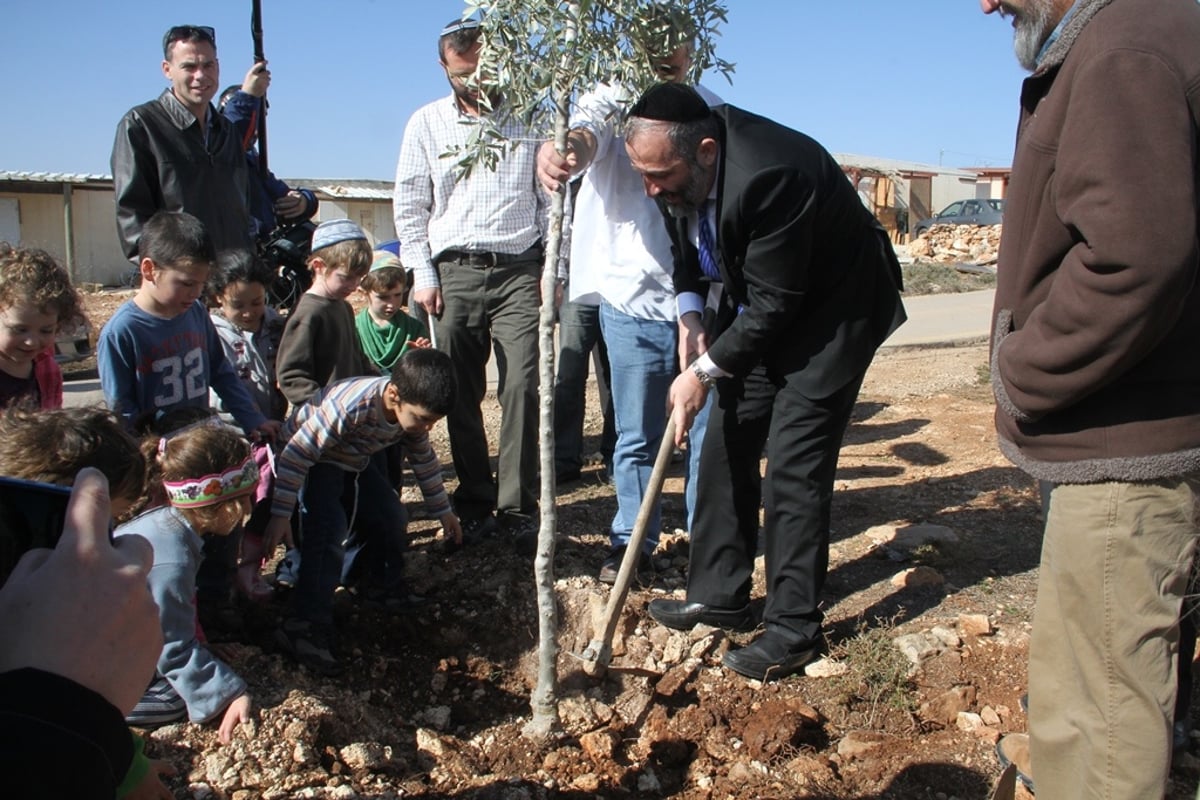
point(331, 440)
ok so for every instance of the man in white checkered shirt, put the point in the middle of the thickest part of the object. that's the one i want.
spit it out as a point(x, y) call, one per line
point(475, 248)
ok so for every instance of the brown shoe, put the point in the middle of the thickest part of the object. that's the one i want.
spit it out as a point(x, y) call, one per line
point(1013, 749)
point(612, 566)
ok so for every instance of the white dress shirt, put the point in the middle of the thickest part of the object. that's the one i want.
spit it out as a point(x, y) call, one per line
point(620, 249)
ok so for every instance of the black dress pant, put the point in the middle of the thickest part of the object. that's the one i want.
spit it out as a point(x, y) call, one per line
point(803, 436)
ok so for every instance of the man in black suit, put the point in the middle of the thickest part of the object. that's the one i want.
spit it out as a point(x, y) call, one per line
point(801, 286)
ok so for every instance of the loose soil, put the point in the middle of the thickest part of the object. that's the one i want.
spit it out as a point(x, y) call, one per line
point(432, 704)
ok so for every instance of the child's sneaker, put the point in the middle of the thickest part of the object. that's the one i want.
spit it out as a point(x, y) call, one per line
point(311, 644)
point(288, 572)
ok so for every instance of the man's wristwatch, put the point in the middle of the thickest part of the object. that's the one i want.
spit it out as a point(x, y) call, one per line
point(706, 380)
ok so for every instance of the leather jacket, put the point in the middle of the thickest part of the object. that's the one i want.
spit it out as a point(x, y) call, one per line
point(162, 160)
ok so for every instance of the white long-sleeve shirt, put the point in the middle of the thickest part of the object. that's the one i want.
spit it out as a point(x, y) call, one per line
point(620, 250)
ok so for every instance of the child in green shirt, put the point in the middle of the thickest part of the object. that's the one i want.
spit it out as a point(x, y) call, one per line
point(384, 329)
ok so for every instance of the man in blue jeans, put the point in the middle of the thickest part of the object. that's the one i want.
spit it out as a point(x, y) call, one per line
point(623, 263)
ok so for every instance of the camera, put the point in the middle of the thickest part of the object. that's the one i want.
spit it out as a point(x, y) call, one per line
point(32, 514)
point(285, 251)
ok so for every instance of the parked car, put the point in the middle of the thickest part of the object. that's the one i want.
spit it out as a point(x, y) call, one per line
point(73, 343)
point(965, 212)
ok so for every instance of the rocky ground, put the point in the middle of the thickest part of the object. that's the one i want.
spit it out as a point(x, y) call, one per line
point(929, 598)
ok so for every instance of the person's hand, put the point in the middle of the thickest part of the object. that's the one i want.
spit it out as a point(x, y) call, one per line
point(238, 711)
point(558, 294)
point(430, 300)
point(553, 169)
point(685, 399)
point(83, 610)
point(290, 205)
point(693, 341)
point(151, 787)
point(421, 343)
point(452, 527)
point(257, 79)
point(278, 529)
point(269, 431)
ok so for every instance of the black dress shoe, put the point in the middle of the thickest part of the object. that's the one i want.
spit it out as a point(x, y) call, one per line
point(769, 658)
point(683, 616)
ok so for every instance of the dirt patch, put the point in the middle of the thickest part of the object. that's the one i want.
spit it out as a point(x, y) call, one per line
point(432, 705)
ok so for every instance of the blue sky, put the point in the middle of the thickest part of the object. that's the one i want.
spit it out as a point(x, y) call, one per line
point(933, 81)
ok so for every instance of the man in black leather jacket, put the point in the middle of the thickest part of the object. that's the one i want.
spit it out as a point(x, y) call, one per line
point(177, 153)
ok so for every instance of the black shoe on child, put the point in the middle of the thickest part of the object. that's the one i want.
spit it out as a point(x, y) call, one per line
point(474, 531)
point(396, 602)
point(521, 530)
point(311, 644)
point(612, 566)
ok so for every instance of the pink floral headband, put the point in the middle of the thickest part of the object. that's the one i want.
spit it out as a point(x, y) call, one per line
point(212, 489)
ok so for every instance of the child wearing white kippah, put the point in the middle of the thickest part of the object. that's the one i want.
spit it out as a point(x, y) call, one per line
point(320, 343)
point(204, 477)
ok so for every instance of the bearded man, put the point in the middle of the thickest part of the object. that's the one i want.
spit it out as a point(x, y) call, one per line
point(807, 287)
point(1096, 378)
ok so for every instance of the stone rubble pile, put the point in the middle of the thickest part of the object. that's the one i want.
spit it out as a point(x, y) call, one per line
point(951, 244)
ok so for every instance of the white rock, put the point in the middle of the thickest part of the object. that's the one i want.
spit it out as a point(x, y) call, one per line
point(946, 636)
point(916, 647)
point(968, 721)
point(916, 577)
point(825, 668)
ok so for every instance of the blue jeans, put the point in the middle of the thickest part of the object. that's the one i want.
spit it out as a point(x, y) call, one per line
point(643, 367)
point(578, 337)
point(378, 538)
point(330, 497)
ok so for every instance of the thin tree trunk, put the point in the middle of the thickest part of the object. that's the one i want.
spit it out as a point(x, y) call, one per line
point(544, 702)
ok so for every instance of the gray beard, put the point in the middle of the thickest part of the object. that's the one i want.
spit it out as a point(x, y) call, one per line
point(1032, 28)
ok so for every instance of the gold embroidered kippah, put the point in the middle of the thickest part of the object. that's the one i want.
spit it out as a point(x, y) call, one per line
point(212, 489)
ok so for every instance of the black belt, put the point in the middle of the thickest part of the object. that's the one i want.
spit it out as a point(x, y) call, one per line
point(483, 258)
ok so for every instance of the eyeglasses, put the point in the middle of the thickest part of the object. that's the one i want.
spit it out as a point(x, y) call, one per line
point(187, 33)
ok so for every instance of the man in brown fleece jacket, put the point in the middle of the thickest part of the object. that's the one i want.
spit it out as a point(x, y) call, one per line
point(1097, 376)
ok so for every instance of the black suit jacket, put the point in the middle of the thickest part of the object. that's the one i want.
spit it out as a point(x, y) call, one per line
point(812, 270)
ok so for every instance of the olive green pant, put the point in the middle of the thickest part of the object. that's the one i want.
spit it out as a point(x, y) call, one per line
point(1105, 645)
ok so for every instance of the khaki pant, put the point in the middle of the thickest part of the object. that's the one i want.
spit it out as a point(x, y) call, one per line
point(1102, 661)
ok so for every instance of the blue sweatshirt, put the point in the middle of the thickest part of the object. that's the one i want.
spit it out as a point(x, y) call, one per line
point(206, 684)
point(149, 364)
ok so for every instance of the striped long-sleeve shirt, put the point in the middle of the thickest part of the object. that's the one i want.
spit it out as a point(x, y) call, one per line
point(344, 425)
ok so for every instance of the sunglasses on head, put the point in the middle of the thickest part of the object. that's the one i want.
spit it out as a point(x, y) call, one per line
point(464, 25)
point(188, 33)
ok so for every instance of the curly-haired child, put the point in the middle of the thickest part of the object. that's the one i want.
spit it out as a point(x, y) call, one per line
point(36, 300)
point(207, 476)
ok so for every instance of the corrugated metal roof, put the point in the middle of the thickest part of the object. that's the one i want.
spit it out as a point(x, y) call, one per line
point(348, 189)
point(893, 165)
point(330, 187)
point(53, 177)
